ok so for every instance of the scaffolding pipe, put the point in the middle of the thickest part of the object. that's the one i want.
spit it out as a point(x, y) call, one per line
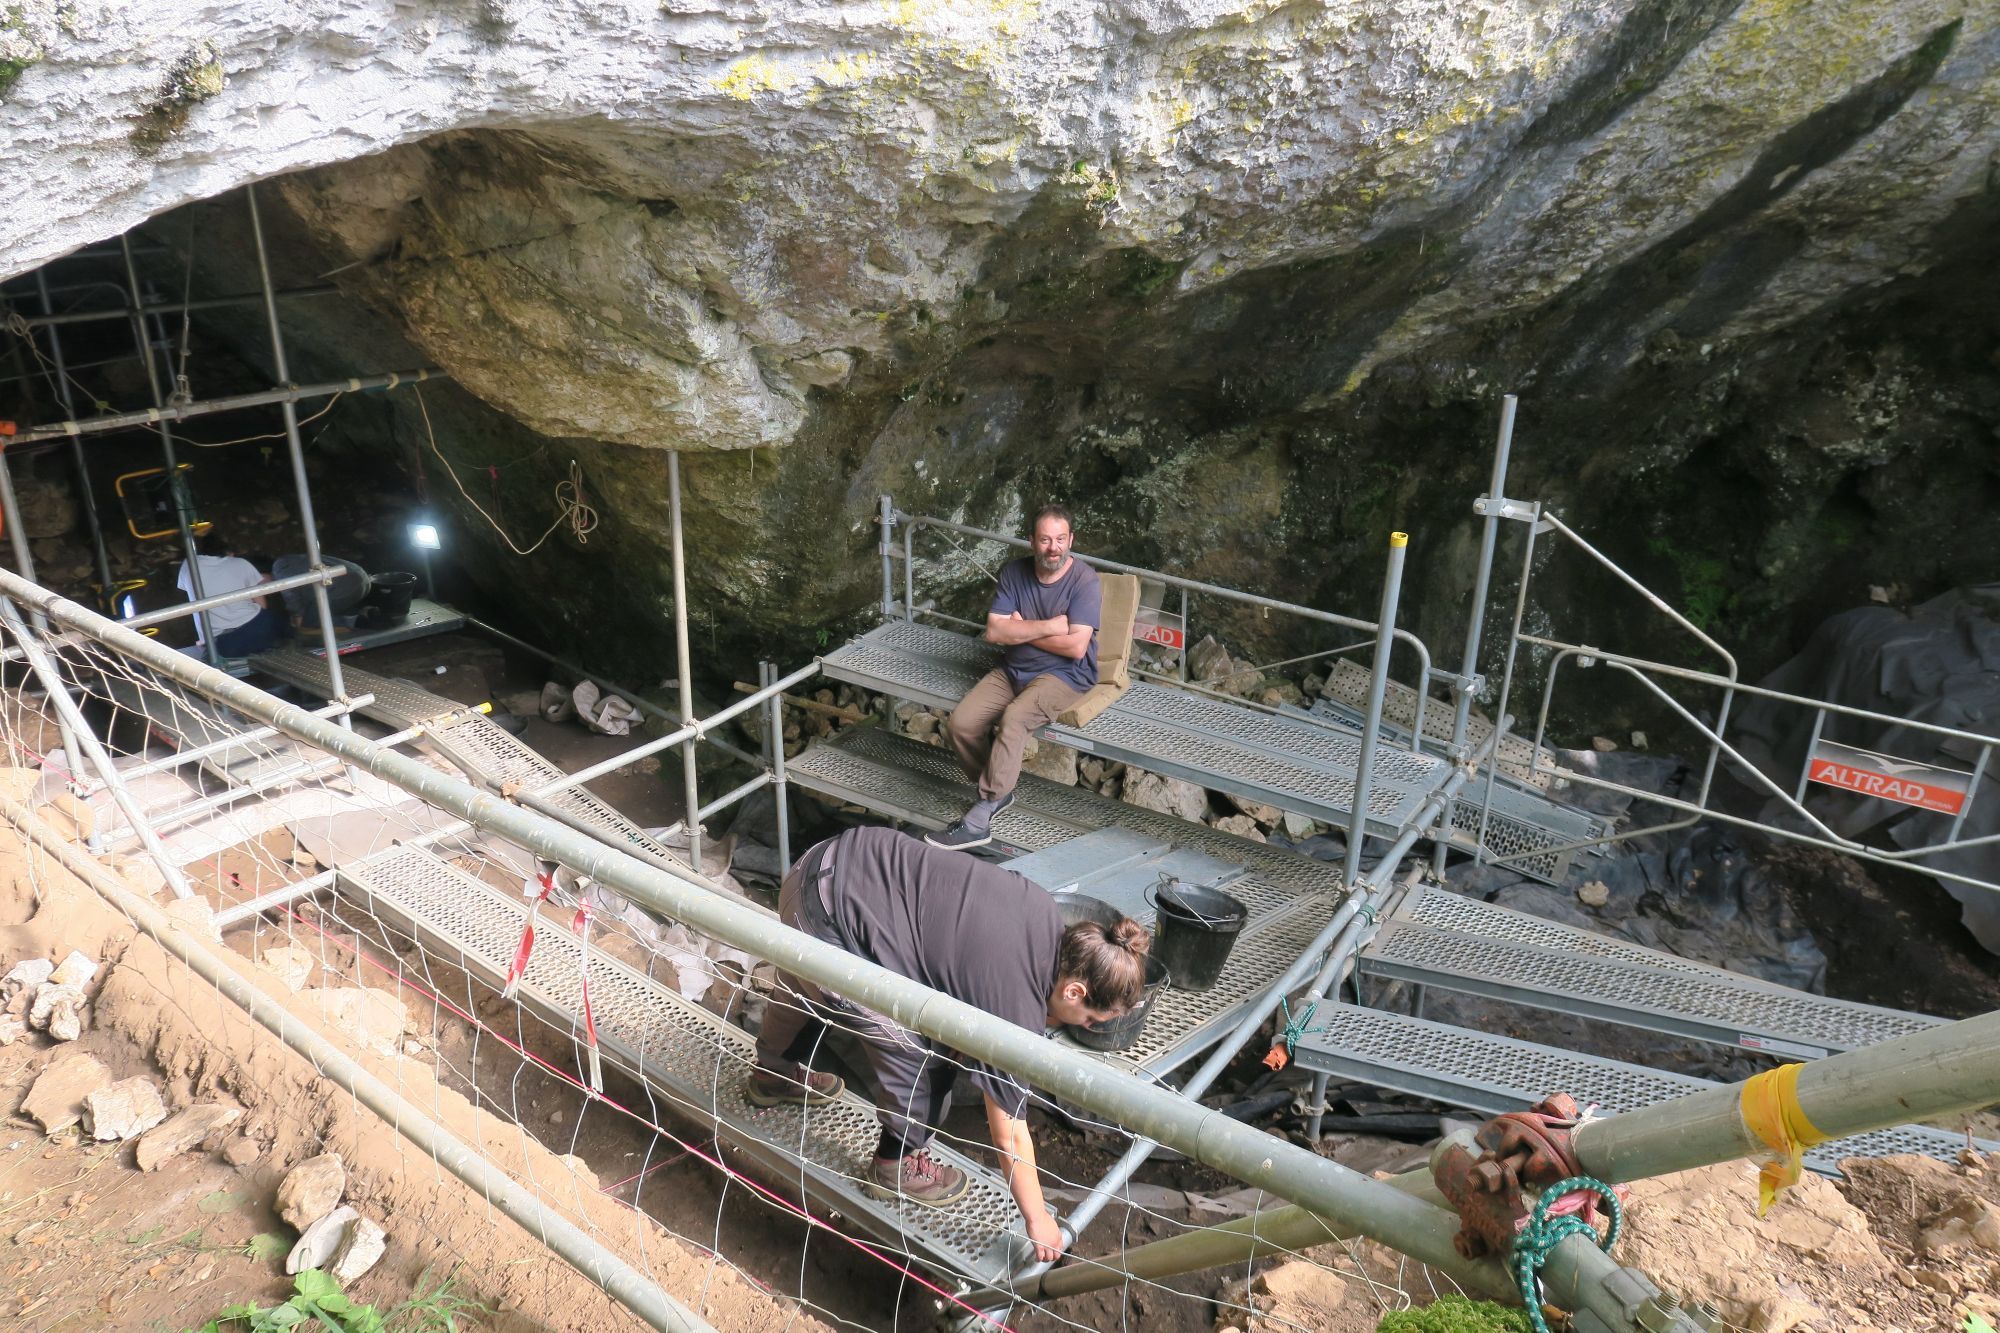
point(86, 740)
point(690, 787)
point(774, 732)
point(1378, 686)
point(296, 448)
point(51, 320)
point(1934, 1072)
point(619, 1280)
point(886, 522)
point(1206, 1135)
point(194, 754)
point(68, 402)
point(176, 488)
point(165, 614)
point(1261, 1233)
point(159, 415)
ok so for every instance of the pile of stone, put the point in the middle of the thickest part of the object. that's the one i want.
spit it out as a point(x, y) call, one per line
point(44, 996)
point(333, 1237)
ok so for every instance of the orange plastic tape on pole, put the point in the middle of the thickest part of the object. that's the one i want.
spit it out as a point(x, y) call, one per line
point(1771, 1111)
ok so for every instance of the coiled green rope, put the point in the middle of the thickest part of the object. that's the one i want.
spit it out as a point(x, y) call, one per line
point(1543, 1233)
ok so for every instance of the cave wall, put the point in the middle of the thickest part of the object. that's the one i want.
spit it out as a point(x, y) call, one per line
point(1242, 281)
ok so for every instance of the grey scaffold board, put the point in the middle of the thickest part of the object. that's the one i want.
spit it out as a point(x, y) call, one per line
point(1439, 938)
point(466, 736)
point(692, 1059)
point(1493, 1074)
point(190, 720)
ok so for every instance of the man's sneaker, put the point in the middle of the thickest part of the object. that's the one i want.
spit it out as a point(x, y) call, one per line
point(961, 837)
point(765, 1088)
point(918, 1177)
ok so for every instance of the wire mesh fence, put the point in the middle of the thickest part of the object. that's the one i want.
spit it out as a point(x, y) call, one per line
point(603, 1067)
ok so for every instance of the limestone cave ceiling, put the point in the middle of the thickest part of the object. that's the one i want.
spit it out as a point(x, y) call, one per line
point(1243, 280)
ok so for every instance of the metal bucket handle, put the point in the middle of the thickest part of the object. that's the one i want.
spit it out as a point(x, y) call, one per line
point(1150, 895)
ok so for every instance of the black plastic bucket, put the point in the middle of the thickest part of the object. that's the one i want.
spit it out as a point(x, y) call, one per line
point(389, 593)
point(1123, 1030)
point(1197, 928)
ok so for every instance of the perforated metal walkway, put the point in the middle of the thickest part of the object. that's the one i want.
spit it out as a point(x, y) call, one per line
point(1302, 766)
point(1439, 938)
point(464, 735)
point(690, 1057)
point(1494, 1074)
point(1291, 897)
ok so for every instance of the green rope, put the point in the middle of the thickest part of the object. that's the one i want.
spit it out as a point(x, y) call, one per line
point(1539, 1238)
point(1296, 1028)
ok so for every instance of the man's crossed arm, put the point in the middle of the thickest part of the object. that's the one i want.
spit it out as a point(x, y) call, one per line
point(1056, 635)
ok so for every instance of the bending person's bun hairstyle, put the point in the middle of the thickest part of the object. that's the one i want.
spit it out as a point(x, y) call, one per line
point(1129, 934)
point(1110, 961)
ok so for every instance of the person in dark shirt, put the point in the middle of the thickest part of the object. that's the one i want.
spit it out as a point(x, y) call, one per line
point(1044, 616)
point(975, 931)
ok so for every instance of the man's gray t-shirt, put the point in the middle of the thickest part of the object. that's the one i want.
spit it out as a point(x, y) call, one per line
point(957, 924)
point(1077, 595)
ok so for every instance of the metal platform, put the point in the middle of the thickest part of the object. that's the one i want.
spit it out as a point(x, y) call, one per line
point(1291, 897)
point(426, 618)
point(191, 721)
point(1494, 1074)
point(1346, 691)
point(464, 735)
point(693, 1059)
point(1439, 938)
point(1306, 767)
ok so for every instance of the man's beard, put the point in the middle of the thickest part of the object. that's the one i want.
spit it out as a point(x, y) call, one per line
point(1050, 563)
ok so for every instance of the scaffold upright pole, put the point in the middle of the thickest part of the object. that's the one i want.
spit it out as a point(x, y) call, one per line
point(68, 401)
point(176, 488)
point(296, 448)
point(1378, 686)
point(684, 663)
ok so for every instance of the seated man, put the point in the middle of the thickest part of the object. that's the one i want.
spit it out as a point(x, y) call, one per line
point(242, 627)
point(1045, 615)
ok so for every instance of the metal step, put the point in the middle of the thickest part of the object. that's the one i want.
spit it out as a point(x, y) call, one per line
point(693, 1059)
point(907, 660)
point(1438, 938)
point(1290, 896)
point(1347, 691)
point(1305, 767)
point(466, 736)
point(1495, 1074)
point(191, 720)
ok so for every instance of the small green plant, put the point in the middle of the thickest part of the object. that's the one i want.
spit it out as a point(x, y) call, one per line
point(317, 1302)
point(1455, 1314)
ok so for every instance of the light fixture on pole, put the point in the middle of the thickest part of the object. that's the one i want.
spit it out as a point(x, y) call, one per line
point(424, 536)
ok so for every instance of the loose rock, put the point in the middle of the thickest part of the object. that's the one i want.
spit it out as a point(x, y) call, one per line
point(126, 1108)
point(293, 966)
point(12, 1029)
point(368, 1017)
point(56, 1100)
point(1243, 826)
point(26, 976)
point(318, 1243)
point(311, 1189)
point(1594, 894)
point(183, 1130)
point(75, 970)
point(360, 1247)
point(1169, 796)
point(53, 1002)
point(195, 915)
point(242, 1152)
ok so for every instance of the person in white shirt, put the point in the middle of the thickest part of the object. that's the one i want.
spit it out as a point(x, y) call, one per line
point(240, 628)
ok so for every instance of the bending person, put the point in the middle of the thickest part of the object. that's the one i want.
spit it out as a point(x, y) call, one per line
point(973, 930)
point(1045, 615)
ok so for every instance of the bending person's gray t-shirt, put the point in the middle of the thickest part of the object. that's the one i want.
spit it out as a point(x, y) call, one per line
point(957, 924)
point(1077, 595)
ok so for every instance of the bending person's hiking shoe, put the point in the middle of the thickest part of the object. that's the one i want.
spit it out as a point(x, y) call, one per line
point(765, 1087)
point(975, 830)
point(918, 1177)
